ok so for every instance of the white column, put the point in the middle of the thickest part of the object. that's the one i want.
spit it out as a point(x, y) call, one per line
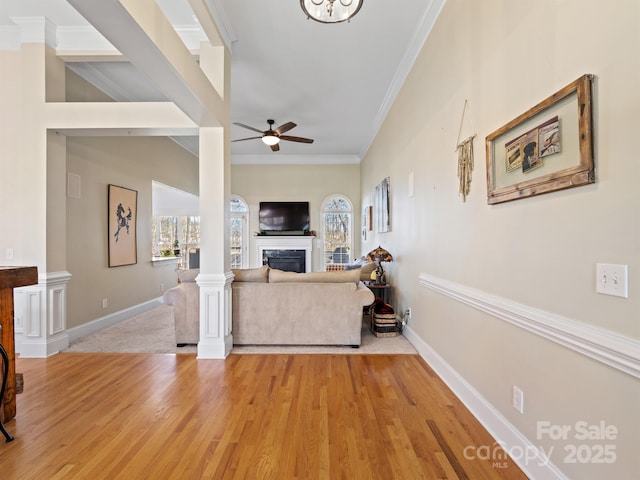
point(215, 277)
point(40, 310)
point(216, 340)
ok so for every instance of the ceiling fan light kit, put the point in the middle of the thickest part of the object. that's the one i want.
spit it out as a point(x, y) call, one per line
point(330, 11)
point(271, 140)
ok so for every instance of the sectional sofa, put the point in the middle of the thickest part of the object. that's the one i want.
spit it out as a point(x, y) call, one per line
point(273, 307)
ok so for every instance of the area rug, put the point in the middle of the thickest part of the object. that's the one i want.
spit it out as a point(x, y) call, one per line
point(153, 332)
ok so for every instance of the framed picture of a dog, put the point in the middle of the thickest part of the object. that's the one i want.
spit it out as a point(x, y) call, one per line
point(546, 149)
point(122, 217)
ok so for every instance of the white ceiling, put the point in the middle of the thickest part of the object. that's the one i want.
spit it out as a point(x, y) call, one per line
point(336, 82)
point(170, 202)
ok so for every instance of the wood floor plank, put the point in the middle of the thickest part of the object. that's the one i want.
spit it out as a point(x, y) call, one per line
point(248, 416)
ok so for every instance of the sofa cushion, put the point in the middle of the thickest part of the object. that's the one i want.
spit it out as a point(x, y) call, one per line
point(256, 275)
point(188, 275)
point(365, 271)
point(280, 276)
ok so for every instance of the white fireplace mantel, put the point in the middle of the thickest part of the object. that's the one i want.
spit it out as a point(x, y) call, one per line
point(278, 242)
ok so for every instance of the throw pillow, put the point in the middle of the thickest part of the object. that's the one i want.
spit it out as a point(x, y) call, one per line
point(255, 275)
point(188, 275)
point(368, 271)
point(358, 263)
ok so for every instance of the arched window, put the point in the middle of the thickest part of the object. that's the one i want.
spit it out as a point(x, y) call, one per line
point(337, 231)
point(239, 241)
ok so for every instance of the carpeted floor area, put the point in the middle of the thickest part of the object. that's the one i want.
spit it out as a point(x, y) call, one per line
point(152, 332)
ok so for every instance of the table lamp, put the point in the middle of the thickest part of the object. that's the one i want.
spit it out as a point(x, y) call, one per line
point(379, 255)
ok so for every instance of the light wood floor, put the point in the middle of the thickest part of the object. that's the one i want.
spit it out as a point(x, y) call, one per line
point(138, 416)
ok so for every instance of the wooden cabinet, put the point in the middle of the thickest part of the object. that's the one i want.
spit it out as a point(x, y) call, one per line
point(10, 278)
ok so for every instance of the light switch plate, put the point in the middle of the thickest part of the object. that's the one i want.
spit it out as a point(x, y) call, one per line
point(517, 399)
point(612, 279)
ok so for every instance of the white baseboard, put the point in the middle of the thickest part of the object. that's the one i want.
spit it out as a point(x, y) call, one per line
point(41, 348)
point(610, 348)
point(525, 454)
point(215, 350)
point(109, 320)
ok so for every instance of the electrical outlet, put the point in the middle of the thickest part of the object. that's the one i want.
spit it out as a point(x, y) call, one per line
point(612, 280)
point(517, 399)
point(162, 287)
point(9, 254)
point(408, 316)
point(105, 304)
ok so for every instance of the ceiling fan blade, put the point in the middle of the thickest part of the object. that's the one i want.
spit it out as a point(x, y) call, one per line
point(247, 126)
point(275, 147)
point(285, 127)
point(243, 139)
point(296, 139)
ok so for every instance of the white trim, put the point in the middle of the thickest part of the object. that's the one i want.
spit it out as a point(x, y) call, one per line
point(281, 159)
point(277, 242)
point(40, 313)
point(216, 339)
point(164, 261)
point(420, 35)
point(244, 263)
point(54, 278)
point(610, 348)
point(30, 348)
point(323, 227)
point(36, 30)
point(496, 424)
point(225, 30)
point(109, 320)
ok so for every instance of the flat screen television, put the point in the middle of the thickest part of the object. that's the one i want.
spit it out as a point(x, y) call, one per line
point(284, 218)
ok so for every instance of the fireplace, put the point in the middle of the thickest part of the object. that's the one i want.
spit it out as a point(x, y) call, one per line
point(302, 246)
point(287, 260)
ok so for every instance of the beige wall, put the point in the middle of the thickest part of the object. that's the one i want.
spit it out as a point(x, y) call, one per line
point(504, 57)
point(131, 162)
point(312, 183)
point(13, 179)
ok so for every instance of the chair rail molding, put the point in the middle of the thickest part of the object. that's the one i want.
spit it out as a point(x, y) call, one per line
point(607, 347)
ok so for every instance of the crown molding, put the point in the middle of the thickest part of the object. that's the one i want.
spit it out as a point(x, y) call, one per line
point(225, 30)
point(277, 159)
point(420, 36)
point(36, 30)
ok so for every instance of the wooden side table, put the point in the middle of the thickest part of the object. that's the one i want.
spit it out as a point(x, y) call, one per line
point(380, 290)
point(10, 278)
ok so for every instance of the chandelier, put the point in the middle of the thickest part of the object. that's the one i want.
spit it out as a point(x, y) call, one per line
point(330, 11)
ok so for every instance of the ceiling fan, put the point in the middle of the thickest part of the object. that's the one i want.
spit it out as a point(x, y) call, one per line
point(273, 136)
